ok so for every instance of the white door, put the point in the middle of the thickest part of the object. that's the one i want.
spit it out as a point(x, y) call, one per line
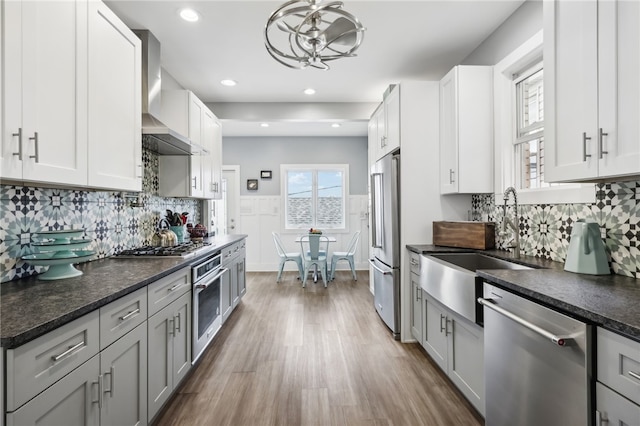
point(231, 195)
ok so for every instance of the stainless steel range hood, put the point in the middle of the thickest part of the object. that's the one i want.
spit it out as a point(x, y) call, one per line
point(156, 136)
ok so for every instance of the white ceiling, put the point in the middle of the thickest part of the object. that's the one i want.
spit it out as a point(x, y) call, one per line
point(404, 40)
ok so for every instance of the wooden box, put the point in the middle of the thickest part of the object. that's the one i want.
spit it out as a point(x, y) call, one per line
point(473, 235)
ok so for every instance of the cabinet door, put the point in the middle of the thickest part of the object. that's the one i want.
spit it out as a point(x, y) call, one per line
point(123, 366)
point(212, 160)
point(160, 329)
point(373, 141)
point(436, 329)
point(613, 409)
point(466, 359)
point(619, 88)
point(226, 299)
point(73, 400)
point(196, 188)
point(448, 134)
point(571, 81)
point(235, 294)
point(114, 110)
point(392, 119)
point(416, 308)
point(196, 116)
point(242, 277)
point(51, 107)
point(181, 338)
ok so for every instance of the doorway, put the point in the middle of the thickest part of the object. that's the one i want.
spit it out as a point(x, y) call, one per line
point(227, 214)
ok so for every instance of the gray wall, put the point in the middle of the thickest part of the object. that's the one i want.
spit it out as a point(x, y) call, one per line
point(255, 154)
point(518, 28)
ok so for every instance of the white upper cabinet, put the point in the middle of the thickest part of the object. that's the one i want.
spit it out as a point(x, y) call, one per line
point(466, 130)
point(188, 115)
point(384, 125)
point(376, 125)
point(592, 80)
point(115, 140)
point(71, 101)
point(44, 126)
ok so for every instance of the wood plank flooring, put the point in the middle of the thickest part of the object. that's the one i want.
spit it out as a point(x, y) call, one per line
point(314, 356)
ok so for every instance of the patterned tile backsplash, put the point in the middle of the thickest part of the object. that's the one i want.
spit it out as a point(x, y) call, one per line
point(108, 217)
point(545, 230)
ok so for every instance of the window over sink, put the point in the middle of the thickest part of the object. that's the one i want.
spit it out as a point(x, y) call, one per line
point(519, 130)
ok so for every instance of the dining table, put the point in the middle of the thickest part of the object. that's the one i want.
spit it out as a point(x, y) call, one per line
point(331, 239)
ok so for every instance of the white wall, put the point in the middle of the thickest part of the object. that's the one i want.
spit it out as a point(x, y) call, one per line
point(261, 215)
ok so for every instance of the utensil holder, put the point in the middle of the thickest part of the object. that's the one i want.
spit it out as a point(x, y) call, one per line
point(180, 233)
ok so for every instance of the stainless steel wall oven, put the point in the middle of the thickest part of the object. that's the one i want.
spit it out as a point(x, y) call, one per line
point(208, 277)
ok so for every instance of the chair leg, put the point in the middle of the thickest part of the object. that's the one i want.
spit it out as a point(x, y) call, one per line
point(333, 269)
point(300, 270)
point(280, 268)
point(324, 274)
point(304, 278)
point(353, 269)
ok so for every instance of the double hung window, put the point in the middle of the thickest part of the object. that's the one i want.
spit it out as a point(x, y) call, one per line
point(315, 196)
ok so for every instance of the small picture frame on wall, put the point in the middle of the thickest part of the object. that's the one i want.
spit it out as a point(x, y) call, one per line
point(252, 184)
point(265, 174)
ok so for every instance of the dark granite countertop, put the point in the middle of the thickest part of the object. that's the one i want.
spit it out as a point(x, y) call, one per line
point(610, 301)
point(30, 308)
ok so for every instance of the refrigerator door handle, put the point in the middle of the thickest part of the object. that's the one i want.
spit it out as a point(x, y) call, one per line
point(373, 264)
point(376, 210)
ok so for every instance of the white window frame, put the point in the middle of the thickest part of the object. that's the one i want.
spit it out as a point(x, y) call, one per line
point(517, 61)
point(284, 168)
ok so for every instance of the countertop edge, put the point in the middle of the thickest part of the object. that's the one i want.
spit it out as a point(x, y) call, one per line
point(11, 342)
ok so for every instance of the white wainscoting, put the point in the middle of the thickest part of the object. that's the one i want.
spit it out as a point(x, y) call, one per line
point(259, 216)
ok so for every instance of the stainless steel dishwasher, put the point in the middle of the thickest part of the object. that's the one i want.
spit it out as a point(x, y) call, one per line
point(537, 363)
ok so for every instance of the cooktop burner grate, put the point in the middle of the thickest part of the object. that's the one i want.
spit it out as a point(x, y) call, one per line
point(180, 250)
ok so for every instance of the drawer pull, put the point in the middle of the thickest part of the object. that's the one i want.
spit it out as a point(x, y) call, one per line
point(175, 287)
point(130, 314)
point(634, 375)
point(178, 322)
point(68, 352)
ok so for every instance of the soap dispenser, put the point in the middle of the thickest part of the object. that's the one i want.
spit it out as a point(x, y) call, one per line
point(586, 254)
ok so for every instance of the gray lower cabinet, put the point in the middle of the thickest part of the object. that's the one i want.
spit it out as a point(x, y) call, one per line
point(169, 351)
point(232, 290)
point(416, 296)
point(457, 346)
point(618, 375)
point(238, 279)
point(73, 400)
point(123, 367)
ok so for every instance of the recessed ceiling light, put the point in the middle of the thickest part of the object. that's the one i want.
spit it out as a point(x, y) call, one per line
point(189, 15)
point(335, 125)
point(264, 124)
point(309, 91)
point(228, 82)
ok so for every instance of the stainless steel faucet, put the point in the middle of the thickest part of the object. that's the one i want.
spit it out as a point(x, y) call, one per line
point(512, 224)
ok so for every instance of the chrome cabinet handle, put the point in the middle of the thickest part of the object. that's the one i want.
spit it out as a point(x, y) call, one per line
point(442, 327)
point(172, 327)
point(383, 142)
point(451, 174)
point(584, 146)
point(418, 292)
point(100, 392)
point(634, 375)
point(601, 136)
point(558, 340)
point(19, 135)
point(129, 315)
point(140, 175)
point(195, 182)
point(175, 287)
point(35, 140)
point(601, 420)
point(99, 401)
point(179, 322)
point(111, 374)
point(68, 352)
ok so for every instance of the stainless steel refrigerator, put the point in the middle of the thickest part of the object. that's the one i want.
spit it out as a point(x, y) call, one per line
point(385, 239)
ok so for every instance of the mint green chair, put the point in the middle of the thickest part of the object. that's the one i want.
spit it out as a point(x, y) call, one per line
point(286, 257)
point(346, 255)
point(314, 250)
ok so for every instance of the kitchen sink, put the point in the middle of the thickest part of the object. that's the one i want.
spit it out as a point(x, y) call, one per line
point(474, 261)
point(451, 279)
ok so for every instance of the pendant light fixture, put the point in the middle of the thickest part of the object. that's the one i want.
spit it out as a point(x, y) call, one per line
point(310, 33)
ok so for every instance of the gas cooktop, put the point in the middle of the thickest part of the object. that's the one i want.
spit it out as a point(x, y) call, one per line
point(182, 250)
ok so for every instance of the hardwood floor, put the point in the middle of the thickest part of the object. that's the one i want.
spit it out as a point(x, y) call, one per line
point(314, 356)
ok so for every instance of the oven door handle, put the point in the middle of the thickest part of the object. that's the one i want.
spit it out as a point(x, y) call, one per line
point(218, 275)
